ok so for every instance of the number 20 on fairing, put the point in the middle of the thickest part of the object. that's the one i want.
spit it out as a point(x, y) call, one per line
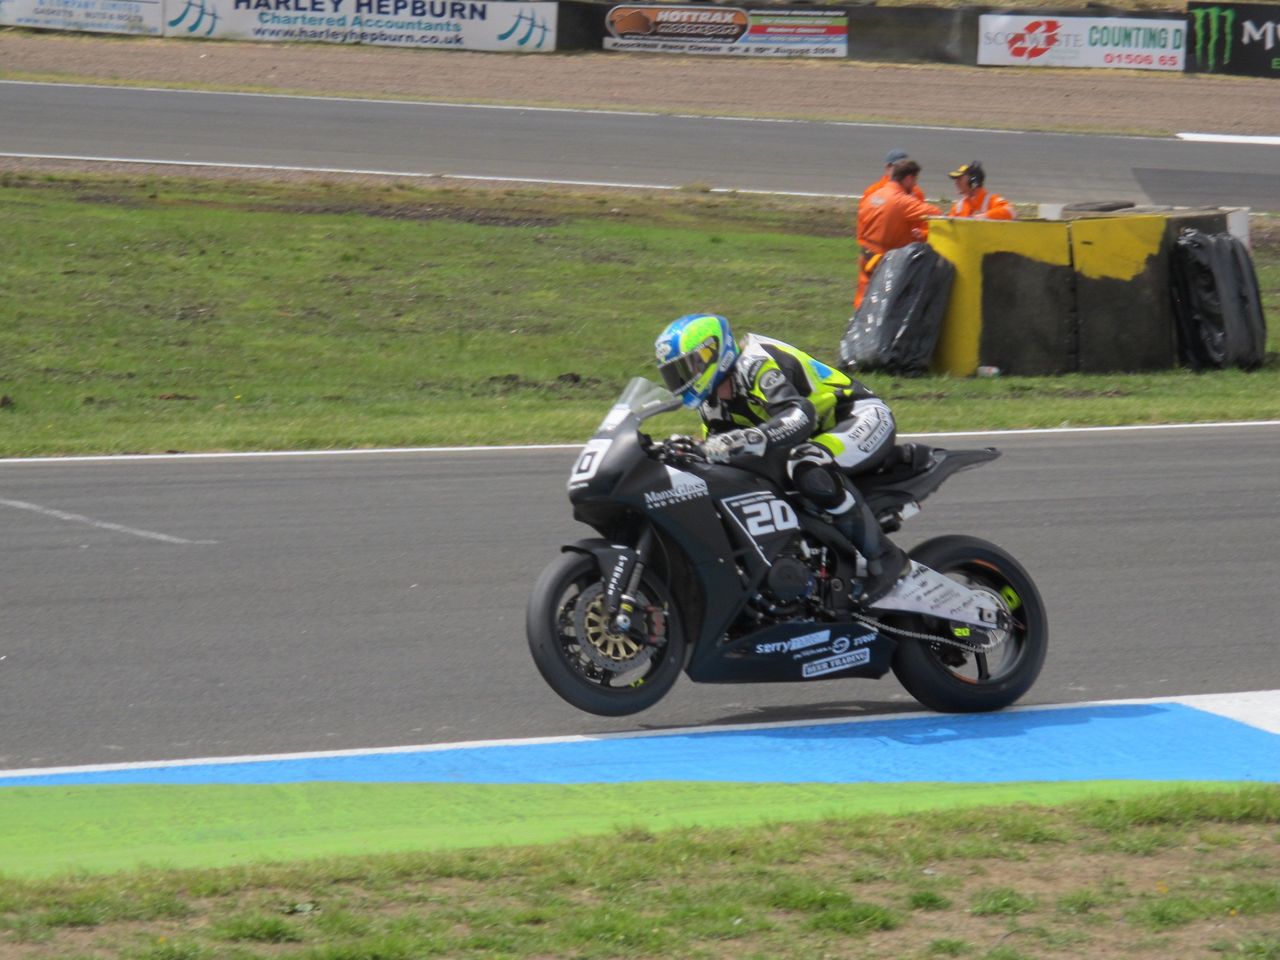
point(762, 516)
point(768, 517)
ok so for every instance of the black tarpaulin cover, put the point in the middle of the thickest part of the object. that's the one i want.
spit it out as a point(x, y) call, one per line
point(1216, 302)
point(897, 326)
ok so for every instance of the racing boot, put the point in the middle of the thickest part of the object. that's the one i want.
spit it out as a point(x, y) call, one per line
point(825, 485)
point(917, 457)
point(887, 563)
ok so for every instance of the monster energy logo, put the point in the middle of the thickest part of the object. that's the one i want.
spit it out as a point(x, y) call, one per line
point(1221, 24)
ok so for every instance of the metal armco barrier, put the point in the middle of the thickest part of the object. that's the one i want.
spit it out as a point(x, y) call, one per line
point(1235, 38)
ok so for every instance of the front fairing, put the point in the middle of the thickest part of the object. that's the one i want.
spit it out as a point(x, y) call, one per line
point(728, 524)
point(617, 446)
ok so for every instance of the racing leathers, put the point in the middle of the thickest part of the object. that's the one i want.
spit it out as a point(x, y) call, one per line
point(803, 417)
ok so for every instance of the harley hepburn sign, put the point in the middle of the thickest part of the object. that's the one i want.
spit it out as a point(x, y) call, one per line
point(731, 31)
point(1033, 40)
point(1237, 38)
point(447, 24)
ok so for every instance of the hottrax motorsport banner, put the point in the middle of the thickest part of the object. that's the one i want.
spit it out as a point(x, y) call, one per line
point(1033, 40)
point(452, 24)
point(731, 31)
point(138, 17)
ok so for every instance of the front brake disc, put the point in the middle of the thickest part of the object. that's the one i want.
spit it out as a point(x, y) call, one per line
point(607, 649)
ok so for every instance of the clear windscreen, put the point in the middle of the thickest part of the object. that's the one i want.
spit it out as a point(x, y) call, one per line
point(642, 399)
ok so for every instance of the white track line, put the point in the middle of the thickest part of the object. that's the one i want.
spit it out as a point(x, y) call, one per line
point(1229, 138)
point(474, 178)
point(1260, 709)
point(531, 448)
point(258, 454)
point(100, 524)
point(1045, 431)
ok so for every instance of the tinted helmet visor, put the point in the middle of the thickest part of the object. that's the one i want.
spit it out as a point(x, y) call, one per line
point(683, 372)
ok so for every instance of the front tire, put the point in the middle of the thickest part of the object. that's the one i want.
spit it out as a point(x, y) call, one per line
point(583, 659)
point(951, 680)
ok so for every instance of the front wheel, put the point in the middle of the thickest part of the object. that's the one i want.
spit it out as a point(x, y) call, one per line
point(950, 679)
point(580, 655)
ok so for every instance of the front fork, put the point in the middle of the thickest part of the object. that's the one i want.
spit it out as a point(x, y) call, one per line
point(624, 580)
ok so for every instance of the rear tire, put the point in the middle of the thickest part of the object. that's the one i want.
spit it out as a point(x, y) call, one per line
point(582, 659)
point(951, 680)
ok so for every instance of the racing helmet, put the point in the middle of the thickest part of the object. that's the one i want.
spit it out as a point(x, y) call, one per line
point(695, 354)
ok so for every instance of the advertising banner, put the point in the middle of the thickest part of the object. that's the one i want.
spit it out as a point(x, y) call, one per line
point(448, 24)
point(728, 31)
point(139, 17)
point(1238, 38)
point(1033, 40)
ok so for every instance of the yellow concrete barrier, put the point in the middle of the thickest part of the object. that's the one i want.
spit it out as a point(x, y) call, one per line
point(1056, 296)
point(968, 244)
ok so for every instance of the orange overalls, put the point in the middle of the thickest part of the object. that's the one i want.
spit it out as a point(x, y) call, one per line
point(866, 194)
point(983, 205)
point(888, 218)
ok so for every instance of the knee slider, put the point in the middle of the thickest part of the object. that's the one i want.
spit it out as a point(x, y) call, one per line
point(817, 485)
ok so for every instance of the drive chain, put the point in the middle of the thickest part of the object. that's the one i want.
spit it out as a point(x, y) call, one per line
point(993, 637)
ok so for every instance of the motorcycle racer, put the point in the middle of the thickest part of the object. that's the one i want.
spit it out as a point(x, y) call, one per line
point(769, 401)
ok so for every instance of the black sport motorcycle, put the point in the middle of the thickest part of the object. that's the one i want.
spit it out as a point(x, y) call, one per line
point(717, 571)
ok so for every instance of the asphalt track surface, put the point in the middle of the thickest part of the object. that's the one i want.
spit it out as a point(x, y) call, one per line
point(166, 608)
point(188, 127)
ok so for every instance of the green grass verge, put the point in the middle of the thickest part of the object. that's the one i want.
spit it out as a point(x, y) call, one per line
point(152, 315)
point(1120, 870)
point(95, 828)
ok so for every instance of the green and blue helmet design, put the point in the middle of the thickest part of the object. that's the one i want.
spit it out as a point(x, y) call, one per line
point(695, 353)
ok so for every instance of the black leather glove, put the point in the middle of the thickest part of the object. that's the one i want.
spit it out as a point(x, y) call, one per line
point(681, 449)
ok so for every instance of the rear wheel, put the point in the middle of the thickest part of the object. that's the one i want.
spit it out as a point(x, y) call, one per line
point(950, 679)
point(582, 657)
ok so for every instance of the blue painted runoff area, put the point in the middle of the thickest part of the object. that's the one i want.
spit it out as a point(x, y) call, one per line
point(1154, 741)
